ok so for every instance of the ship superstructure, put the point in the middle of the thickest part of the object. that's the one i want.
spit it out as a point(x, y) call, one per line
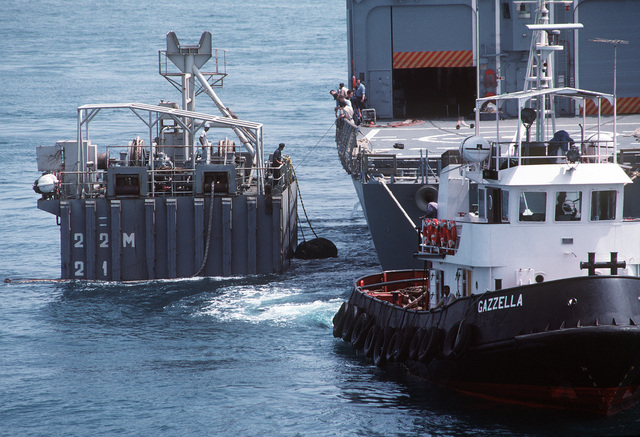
point(181, 199)
point(529, 290)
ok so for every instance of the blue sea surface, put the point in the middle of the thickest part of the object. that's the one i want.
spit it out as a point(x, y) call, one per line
point(243, 356)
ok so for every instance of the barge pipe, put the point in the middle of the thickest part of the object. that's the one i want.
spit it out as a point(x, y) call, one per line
point(223, 110)
point(413, 225)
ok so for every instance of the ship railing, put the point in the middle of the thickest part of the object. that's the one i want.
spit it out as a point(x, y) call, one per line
point(214, 78)
point(418, 169)
point(159, 182)
point(348, 147)
point(282, 175)
point(391, 286)
point(511, 154)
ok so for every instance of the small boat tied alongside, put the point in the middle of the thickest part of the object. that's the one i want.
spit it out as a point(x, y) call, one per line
point(530, 290)
point(183, 199)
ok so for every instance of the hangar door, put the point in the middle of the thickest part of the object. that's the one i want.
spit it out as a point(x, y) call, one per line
point(433, 71)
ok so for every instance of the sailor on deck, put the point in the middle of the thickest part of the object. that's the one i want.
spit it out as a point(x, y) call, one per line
point(276, 162)
point(446, 298)
point(206, 145)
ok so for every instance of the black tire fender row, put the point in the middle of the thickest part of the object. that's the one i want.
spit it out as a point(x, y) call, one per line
point(349, 322)
point(431, 345)
point(458, 339)
point(414, 346)
point(383, 338)
point(361, 329)
point(338, 320)
point(370, 342)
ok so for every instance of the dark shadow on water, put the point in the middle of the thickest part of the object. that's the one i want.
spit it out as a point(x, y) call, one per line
point(436, 410)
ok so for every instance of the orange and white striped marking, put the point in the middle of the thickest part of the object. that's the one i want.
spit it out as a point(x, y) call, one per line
point(444, 59)
point(626, 105)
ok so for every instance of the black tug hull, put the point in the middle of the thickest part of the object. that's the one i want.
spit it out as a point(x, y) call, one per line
point(569, 344)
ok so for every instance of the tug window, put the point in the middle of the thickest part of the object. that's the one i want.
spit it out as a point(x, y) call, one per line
point(603, 205)
point(533, 206)
point(568, 206)
point(482, 212)
point(505, 206)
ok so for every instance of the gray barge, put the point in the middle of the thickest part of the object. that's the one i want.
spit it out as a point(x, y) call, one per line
point(171, 204)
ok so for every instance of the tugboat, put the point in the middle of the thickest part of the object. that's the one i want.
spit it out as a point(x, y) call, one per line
point(176, 205)
point(530, 291)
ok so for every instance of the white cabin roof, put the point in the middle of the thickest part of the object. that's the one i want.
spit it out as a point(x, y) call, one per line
point(555, 174)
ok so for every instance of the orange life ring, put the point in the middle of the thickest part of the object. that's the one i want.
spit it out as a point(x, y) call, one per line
point(433, 231)
point(453, 235)
point(425, 227)
point(442, 234)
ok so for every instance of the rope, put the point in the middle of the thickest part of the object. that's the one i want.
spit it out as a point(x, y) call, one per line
point(206, 249)
point(317, 144)
point(302, 203)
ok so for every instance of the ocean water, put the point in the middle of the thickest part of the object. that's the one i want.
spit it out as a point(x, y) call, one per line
point(215, 356)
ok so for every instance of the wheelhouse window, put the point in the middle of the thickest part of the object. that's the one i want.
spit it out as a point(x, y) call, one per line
point(482, 210)
point(568, 206)
point(533, 206)
point(603, 205)
point(505, 206)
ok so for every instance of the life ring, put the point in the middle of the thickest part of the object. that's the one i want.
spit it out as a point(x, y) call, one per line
point(433, 233)
point(458, 340)
point(349, 319)
point(370, 341)
point(444, 234)
point(453, 236)
point(338, 321)
point(380, 348)
point(425, 228)
point(363, 324)
point(414, 346)
point(424, 232)
point(431, 345)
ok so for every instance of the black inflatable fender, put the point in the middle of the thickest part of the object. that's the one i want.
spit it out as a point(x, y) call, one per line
point(318, 248)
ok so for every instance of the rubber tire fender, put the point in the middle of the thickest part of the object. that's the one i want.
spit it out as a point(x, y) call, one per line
point(458, 340)
point(380, 348)
point(349, 320)
point(391, 349)
point(370, 342)
point(431, 345)
point(361, 328)
point(400, 349)
point(338, 321)
point(414, 346)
